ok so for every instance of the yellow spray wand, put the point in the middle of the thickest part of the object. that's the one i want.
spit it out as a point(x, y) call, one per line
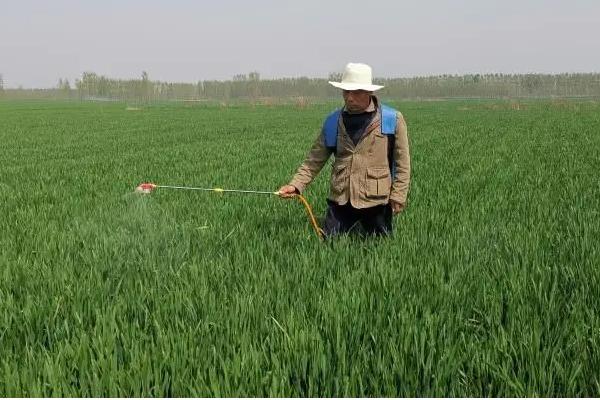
point(149, 187)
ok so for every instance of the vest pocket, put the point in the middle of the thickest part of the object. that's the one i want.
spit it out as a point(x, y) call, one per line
point(378, 182)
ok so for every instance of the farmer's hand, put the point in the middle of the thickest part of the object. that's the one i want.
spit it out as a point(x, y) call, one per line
point(288, 191)
point(397, 208)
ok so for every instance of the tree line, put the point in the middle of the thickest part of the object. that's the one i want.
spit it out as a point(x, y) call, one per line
point(250, 87)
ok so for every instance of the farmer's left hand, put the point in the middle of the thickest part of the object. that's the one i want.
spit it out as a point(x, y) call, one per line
point(396, 207)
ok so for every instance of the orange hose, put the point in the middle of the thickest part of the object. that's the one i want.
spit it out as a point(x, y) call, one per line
point(320, 233)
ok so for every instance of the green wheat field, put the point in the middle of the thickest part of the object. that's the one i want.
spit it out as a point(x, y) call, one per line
point(489, 287)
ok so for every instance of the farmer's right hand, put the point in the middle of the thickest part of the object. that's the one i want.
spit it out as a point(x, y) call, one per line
point(287, 191)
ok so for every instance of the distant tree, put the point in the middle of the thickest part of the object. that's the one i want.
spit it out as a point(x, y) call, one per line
point(145, 87)
point(64, 87)
point(532, 83)
point(335, 76)
point(103, 87)
point(63, 84)
point(89, 84)
point(239, 86)
point(1, 83)
point(254, 78)
point(251, 87)
point(79, 87)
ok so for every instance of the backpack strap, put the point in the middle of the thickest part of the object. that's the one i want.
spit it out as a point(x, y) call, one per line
point(330, 130)
point(388, 127)
point(388, 120)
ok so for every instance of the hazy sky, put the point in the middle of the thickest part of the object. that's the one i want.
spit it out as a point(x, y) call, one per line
point(187, 41)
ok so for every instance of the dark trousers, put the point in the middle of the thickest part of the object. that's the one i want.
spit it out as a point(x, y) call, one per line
point(375, 220)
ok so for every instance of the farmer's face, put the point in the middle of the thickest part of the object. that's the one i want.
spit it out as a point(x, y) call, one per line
point(357, 100)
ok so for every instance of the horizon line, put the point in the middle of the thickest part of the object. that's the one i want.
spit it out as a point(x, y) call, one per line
point(375, 78)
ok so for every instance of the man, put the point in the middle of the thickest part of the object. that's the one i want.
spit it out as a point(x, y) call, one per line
point(371, 171)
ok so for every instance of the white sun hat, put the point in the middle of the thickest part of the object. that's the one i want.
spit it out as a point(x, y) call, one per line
point(357, 77)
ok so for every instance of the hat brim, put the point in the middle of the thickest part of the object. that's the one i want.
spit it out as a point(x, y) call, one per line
point(355, 86)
